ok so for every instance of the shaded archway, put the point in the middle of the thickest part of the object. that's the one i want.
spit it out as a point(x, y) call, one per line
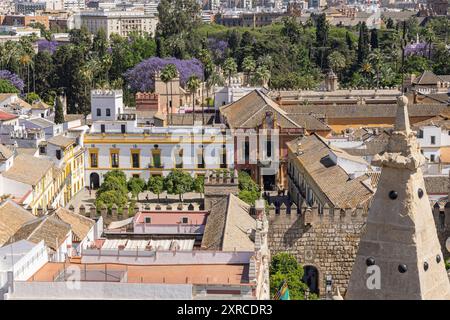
point(94, 180)
point(311, 278)
point(269, 182)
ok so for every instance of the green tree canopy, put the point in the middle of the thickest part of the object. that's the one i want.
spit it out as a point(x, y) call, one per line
point(135, 186)
point(100, 42)
point(336, 61)
point(363, 43)
point(109, 198)
point(249, 190)
point(292, 29)
point(284, 267)
point(113, 190)
point(177, 17)
point(374, 38)
point(178, 182)
point(32, 97)
point(59, 112)
point(117, 174)
point(156, 184)
point(199, 184)
point(7, 87)
point(113, 183)
point(230, 68)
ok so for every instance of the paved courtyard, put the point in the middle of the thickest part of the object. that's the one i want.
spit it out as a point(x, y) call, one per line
point(86, 198)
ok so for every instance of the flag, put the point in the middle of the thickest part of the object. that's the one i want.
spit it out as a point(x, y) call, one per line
point(283, 292)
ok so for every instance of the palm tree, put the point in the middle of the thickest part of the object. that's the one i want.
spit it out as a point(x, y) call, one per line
point(172, 73)
point(230, 68)
point(366, 69)
point(25, 61)
point(106, 64)
point(248, 65)
point(193, 84)
point(266, 61)
point(262, 75)
point(376, 60)
point(336, 61)
point(165, 77)
point(214, 79)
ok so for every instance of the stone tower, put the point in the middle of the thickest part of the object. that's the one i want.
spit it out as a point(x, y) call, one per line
point(331, 81)
point(218, 185)
point(399, 255)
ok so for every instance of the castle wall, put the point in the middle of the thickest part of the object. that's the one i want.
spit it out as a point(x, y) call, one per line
point(330, 241)
point(326, 241)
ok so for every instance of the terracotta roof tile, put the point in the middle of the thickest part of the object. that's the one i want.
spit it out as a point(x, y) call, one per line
point(28, 169)
point(366, 110)
point(79, 224)
point(61, 141)
point(229, 226)
point(48, 228)
point(250, 110)
point(329, 177)
point(5, 116)
point(12, 217)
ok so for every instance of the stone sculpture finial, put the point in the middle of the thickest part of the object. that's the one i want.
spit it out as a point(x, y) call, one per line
point(403, 150)
point(402, 118)
point(400, 240)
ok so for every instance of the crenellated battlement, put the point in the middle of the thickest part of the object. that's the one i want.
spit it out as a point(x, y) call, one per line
point(115, 214)
point(219, 177)
point(147, 95)
point(106, 93)
point(313, 216)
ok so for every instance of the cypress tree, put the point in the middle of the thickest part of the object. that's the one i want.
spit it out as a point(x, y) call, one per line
point(390, 24)
point(374, 38)
point(59, 112)
point(322, 29)
point(348, 41)
point(363, 43)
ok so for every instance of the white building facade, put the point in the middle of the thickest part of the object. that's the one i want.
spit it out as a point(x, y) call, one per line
point(122, 23)
point(115, 141)
point(434, 143)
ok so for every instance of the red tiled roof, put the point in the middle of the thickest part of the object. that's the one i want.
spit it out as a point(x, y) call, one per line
point(7, 116)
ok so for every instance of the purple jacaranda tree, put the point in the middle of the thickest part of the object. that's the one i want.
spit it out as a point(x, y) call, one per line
point(417, 48)
point(142, 76)
point(217, 47)
point(13, 78)
point(50, 46)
